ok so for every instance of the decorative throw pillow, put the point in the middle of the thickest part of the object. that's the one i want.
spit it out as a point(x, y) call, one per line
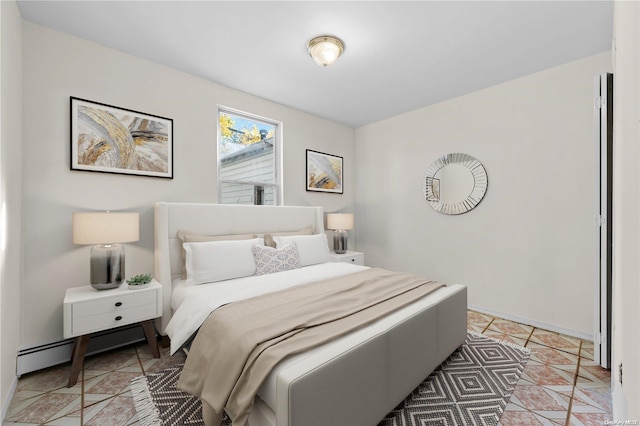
point(270, 260)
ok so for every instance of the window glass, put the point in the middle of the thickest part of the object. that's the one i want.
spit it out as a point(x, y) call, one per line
point(248, 159)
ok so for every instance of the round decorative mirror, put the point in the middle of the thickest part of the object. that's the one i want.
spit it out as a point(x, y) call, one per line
point(455, 183)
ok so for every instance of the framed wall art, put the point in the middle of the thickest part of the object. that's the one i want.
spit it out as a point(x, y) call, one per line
point(111, 139)
point(324, 172)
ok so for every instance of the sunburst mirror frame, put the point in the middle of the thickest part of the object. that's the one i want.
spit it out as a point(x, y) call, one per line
point(431, 184)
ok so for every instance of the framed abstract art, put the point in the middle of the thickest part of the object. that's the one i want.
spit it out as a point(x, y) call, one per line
point(324, 172)
point(110, 139)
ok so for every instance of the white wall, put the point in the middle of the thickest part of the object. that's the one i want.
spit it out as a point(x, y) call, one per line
point(528, 250)
point(626, 207)
point(10, 193)
point(57, 66)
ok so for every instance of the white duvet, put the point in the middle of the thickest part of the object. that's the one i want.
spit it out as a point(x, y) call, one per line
point(192, 305)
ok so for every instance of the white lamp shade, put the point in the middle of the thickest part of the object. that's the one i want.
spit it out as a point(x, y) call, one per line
point(342, 221)
point(105, 227)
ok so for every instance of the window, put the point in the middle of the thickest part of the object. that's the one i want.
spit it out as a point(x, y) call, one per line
point(248, 159)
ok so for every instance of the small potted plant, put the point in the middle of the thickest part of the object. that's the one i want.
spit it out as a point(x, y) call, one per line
point(139, 281)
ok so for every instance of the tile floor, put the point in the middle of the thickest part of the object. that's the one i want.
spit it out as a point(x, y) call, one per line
point(100, 398)
point(560, 385)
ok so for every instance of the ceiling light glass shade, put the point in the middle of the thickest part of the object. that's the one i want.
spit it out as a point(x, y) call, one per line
point(325, 50)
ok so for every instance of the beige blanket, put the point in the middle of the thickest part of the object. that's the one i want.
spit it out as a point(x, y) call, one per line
point(240, 343)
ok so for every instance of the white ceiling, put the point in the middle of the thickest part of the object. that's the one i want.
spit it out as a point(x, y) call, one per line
point(399, 56)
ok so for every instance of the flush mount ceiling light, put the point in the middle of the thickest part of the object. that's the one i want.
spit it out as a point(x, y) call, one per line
point(325, 50)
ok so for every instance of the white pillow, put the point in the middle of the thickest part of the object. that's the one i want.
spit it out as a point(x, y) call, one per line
point(212, 261)
point(311, 248)
point(270, 260)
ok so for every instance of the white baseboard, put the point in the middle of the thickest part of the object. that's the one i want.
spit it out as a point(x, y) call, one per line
point(538, 324)
point(43, 356)
point(7, 400)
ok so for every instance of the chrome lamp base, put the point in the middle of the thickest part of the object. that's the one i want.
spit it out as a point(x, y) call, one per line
point(107, 266)
point(340, 241)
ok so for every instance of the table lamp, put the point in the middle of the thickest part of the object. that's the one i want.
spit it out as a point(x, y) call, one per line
point(340, 223)
point(106, 230)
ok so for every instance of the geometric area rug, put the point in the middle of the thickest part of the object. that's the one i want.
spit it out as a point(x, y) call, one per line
point(471, 387)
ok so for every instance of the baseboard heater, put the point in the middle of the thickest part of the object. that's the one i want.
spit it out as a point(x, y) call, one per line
point(55, 353)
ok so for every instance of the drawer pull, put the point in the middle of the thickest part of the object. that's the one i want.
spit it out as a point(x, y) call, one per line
point(118, 318)
point(118, 303)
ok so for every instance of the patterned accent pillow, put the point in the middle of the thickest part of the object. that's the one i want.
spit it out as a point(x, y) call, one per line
point(270, 260)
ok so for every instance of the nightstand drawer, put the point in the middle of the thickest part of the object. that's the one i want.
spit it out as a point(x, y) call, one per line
point(354, 257)
point(116, 318)
point(114, 304)
point(357, 260)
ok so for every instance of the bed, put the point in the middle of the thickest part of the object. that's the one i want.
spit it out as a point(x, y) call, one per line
point(353, 380)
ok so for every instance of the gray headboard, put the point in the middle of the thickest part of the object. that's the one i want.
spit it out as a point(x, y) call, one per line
point(216, 219)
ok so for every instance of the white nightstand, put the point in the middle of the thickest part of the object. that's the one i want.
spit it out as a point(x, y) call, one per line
point(354, 257)
point(87, 310)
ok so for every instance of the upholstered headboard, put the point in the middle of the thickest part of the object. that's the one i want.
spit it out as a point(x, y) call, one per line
point(216, 219)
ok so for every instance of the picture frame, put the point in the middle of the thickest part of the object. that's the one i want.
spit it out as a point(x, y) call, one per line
point(111, 139)
point(324, 172)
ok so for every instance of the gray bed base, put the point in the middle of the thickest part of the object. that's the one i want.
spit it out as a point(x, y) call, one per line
point(354, 386)
point(359, 386)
